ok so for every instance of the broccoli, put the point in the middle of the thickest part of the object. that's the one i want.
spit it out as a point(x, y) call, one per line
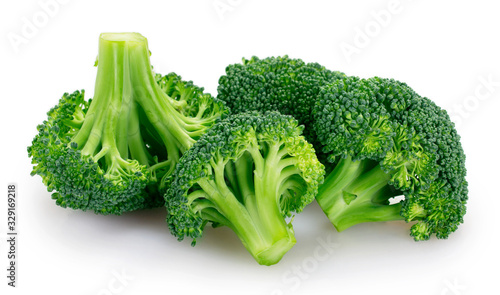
point(249, 172)
point(385, 141)
point(112, 153)
point(282, 84)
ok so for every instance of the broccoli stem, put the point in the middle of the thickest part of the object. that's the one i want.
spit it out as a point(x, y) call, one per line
point(108, 114)
point(157, 106)
point(256, 217)
point(128, 102)
point(356, 192)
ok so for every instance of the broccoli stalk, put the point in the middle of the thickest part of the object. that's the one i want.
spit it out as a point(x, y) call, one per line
point(249, 172)
point(111, 118)
point(112, 154)
point(356, 192)
point(257, 220)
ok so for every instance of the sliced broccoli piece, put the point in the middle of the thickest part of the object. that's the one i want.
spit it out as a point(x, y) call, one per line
point(249, 172)
point(110, 154)
point(384, 140)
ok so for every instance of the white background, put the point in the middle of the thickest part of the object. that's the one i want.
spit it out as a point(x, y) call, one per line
point(445, 50)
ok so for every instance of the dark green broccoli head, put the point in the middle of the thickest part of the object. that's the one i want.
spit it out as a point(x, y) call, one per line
point(380, 132)
point(249, 172)
point(282, 84)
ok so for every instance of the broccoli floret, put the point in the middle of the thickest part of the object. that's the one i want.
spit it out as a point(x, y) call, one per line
point(384, 141)
point(249, 172)
point(282, 84)
point(112, 153)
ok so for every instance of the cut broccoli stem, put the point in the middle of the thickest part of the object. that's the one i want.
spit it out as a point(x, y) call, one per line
point(108, 115)
point(133, 82)
point(115, 133)
point(134, 71)
point(356, 192)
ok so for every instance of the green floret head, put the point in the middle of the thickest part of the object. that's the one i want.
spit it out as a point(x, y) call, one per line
point(191, 100)
point(282, 84)
point(385, 140)
point(249, 172)
point(112, 154)
point(79, 181)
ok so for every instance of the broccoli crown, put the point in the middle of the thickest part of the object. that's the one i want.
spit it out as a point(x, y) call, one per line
point(78, 179)
point(380, 132)
point(248, 172)
point(110, 154)
point(282, 84)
